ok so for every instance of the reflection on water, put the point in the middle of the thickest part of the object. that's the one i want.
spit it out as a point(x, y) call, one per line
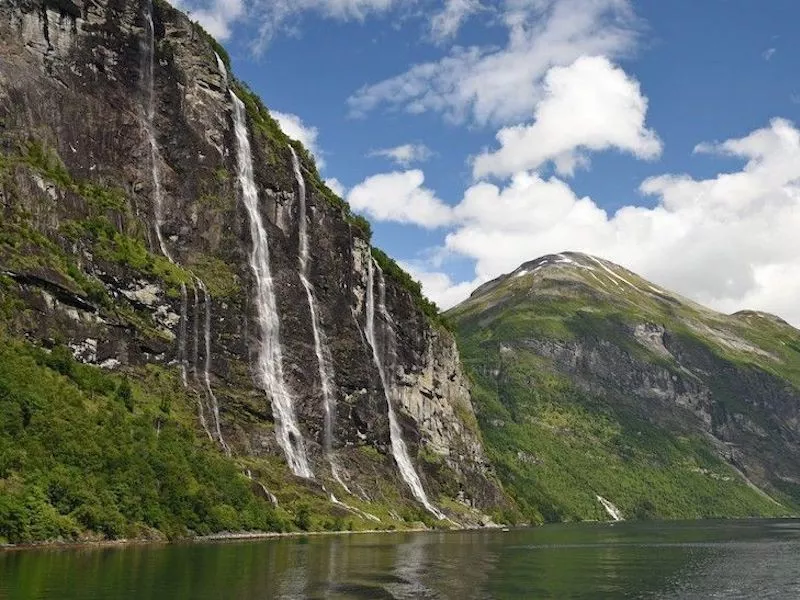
point(755, 559)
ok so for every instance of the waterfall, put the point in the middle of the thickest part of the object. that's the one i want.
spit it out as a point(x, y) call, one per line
point(148, 77)
point(270, 359)
point(399, 449)
point(221, 66)
point(321, 348)
point(195, 359)
point(148, 80)
point(182, 334)
point(207, 369)
point(195, 329)
point(612, 510)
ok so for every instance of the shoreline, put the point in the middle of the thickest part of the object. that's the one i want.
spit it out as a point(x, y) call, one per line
point(216, 538)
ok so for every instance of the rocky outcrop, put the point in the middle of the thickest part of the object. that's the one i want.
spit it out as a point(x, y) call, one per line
point(87, 199)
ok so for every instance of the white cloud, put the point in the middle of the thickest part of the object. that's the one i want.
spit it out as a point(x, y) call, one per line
point(336, 186)
point(405, 155)
point(295, 128)
point(504, 85)
point(768, 53)
point(216, 16)
point(400, 197)
point(219, 16)
point(589, 105)
point(439, 286)
point(729, 241)
point(446, 23)
point(274, 14)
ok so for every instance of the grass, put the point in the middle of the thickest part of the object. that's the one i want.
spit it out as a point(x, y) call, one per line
point(556, 448)
point(557, 443)
point(86, 453)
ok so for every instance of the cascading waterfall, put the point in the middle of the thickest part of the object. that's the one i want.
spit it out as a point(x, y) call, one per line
point(195, 329)
point(195, 359)
point(182, 334)
point(148, 79)
point(324, 361)
point(221, 66)
point(270, 360)
point(609, 507)
point(207, 368)
point(148, 76)
point(399, 449)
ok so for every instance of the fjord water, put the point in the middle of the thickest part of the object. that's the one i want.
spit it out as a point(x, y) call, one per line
point(752, 559)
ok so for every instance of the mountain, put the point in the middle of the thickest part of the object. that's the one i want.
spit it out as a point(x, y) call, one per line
point(597, 391)
point(196, 333)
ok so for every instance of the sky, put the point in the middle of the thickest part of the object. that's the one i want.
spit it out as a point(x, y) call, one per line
point(476, 134)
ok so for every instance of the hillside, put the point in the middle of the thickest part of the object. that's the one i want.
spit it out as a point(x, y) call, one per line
point(197, 335)
point(591, 383)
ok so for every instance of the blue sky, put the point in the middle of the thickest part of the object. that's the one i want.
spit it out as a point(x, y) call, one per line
point(661, 135)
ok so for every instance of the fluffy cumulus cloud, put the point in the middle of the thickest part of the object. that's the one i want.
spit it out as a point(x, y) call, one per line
point(729, 241)
point(504, 85)
point(336, 186)
point(404, 155)
point(590, 105)
point(400, 197)
point(216, 16)
point(295, 128)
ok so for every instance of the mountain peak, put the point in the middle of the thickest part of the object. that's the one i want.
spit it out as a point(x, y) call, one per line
point(598, 273)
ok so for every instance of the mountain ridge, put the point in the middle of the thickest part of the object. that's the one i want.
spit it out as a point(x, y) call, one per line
point(571, 338)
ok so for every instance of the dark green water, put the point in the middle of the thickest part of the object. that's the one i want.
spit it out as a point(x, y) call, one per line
point(754, 559)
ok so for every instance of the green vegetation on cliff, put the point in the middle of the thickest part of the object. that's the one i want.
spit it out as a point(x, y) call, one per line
point(588, 381)
point(85, 452)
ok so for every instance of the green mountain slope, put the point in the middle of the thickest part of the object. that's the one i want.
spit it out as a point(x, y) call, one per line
point(590, 383)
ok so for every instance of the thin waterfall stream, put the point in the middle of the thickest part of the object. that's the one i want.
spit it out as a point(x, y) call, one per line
point(321, 349)
point(399, 449)
point(182, 328)
point(148, 77)
point(196, 358)
point(270, 360)
point(207, 369)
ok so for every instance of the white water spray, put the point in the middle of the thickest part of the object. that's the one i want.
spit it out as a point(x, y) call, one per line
point(195, 354)
point(270, 360)
point(182, 334)
point(148, 76)
point(207, 369)
point(221, 66)
point(321, 349)
point(399, 449)
point(195, 329)
point(612, 510)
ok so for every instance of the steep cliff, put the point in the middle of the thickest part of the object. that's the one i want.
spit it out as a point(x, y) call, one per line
point(599, 392)
point(158, 224)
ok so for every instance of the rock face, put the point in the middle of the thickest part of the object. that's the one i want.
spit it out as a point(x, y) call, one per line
point(124, 237)
point(645, 398)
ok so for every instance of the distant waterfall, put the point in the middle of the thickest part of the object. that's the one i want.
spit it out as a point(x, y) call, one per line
point(182, 327)
point(612, 510)
point(399, 449)
point(207, 369)
point(148, 80)
point(221, 66)
point(201, 413)
point(148, 77)
point(324, 361)
point(270, 360)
